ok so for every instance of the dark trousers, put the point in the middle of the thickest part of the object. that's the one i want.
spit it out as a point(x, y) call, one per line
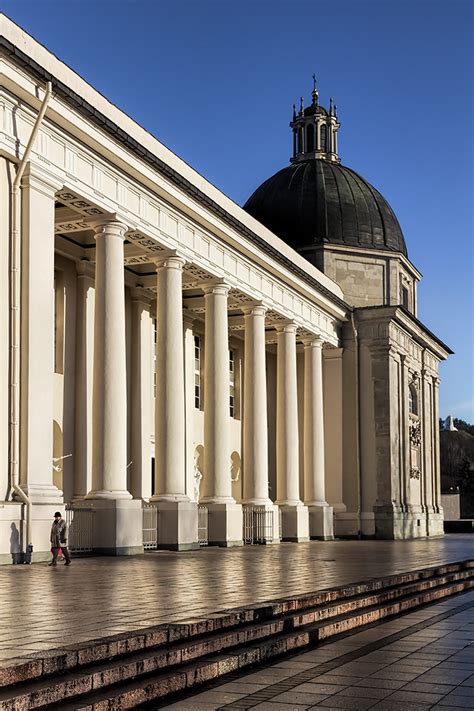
point(55, 552)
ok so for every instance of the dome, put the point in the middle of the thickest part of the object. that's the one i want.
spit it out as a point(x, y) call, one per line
point(316, 202)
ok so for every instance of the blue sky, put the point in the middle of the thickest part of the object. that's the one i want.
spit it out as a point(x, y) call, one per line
point(215, 81)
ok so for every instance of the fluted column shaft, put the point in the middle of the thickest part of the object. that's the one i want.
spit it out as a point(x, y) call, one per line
point(287, 461)
point(255, 435)
point(216, 484)
point(170, 425)
point(109, 448)
point(314, 489)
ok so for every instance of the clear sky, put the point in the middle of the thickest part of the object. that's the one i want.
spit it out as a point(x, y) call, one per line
point(215, 81)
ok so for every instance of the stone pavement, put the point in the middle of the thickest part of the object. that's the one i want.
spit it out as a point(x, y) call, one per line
point(43, 608)
point(422, 660)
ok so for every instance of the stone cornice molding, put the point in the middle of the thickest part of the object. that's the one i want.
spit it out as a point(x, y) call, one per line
point(88, 111)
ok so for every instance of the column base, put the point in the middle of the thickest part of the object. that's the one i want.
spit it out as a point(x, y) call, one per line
point(400, 523)
point(105, 494)
point(321, 525)
point(118, 526)
point(177, 525)
point(225, 525)
point(294, 523)
point(48, 494)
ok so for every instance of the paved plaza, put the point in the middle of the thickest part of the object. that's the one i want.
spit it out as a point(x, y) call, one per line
point(422, 660)
point(45, 608)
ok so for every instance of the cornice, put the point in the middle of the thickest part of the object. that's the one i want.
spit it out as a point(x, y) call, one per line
point(89, 112)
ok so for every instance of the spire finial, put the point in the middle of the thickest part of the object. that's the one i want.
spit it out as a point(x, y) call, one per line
point(330, 107)
point(301, 105)
point(335, 110)
point(294, 112)
point(314, 93)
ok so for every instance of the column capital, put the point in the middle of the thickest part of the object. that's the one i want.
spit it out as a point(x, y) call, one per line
point(286, 327)
point(217, 287)
point(140, 296)
point(169, 259)
point(109, 228)
point(84, 268)
point(254, 309)
point(38, 178)
point(313, 341)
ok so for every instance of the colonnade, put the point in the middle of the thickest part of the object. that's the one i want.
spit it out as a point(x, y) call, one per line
point(177, 513)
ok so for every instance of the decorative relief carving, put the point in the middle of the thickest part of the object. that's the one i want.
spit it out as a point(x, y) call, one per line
point(415, 473)
point(415, 433)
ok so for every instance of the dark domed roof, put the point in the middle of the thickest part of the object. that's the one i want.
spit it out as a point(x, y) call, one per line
point(315, 202)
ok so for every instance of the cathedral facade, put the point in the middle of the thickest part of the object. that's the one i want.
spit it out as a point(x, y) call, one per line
point(169, 357)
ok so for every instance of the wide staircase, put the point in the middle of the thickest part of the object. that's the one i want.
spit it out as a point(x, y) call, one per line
point(153, 664)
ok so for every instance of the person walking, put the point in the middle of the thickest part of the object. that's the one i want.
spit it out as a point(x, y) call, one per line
point(59, 539)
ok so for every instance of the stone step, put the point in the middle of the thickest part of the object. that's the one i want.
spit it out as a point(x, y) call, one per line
point(173, 650)
point(74, 656)
point(157, 687)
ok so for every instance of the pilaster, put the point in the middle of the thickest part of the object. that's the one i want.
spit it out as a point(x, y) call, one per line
point(37, 338)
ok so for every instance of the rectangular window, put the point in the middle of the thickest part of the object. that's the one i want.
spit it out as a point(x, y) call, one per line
point(232, 383)
point(197, 372)
point(405, 297)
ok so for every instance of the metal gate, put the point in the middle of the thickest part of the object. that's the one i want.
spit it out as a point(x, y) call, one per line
point(80, 526)
point(257, 525)
point(150, 526)
point(203, 525)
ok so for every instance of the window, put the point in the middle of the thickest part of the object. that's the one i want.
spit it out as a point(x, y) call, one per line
point(412, 400)
point(300, 140)
point(405, 297)
point(197, 372)
point(232, 383)
point(310, 138)
point(155, 331)
point(323, 135)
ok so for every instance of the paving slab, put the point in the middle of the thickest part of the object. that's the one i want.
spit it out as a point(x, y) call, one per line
point(450, 685)
point(44, 608)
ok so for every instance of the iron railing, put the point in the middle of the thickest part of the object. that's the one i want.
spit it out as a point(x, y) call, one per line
point(257, 525)
point(203, 525)
point(150, 526)
point(80, 528)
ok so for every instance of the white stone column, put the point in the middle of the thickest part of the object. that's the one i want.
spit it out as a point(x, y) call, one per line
point(140, 395)
point(37, 339)
point(119, 529)
point(225, 516)
point(320, 513)
point(178, 515)
point(83, 384)
point(295, 525)
point(255, 420)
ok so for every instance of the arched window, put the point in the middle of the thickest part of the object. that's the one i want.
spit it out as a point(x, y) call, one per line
point(413, 400)
point(300, 140)
point(324, 136)
point(309, 138)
